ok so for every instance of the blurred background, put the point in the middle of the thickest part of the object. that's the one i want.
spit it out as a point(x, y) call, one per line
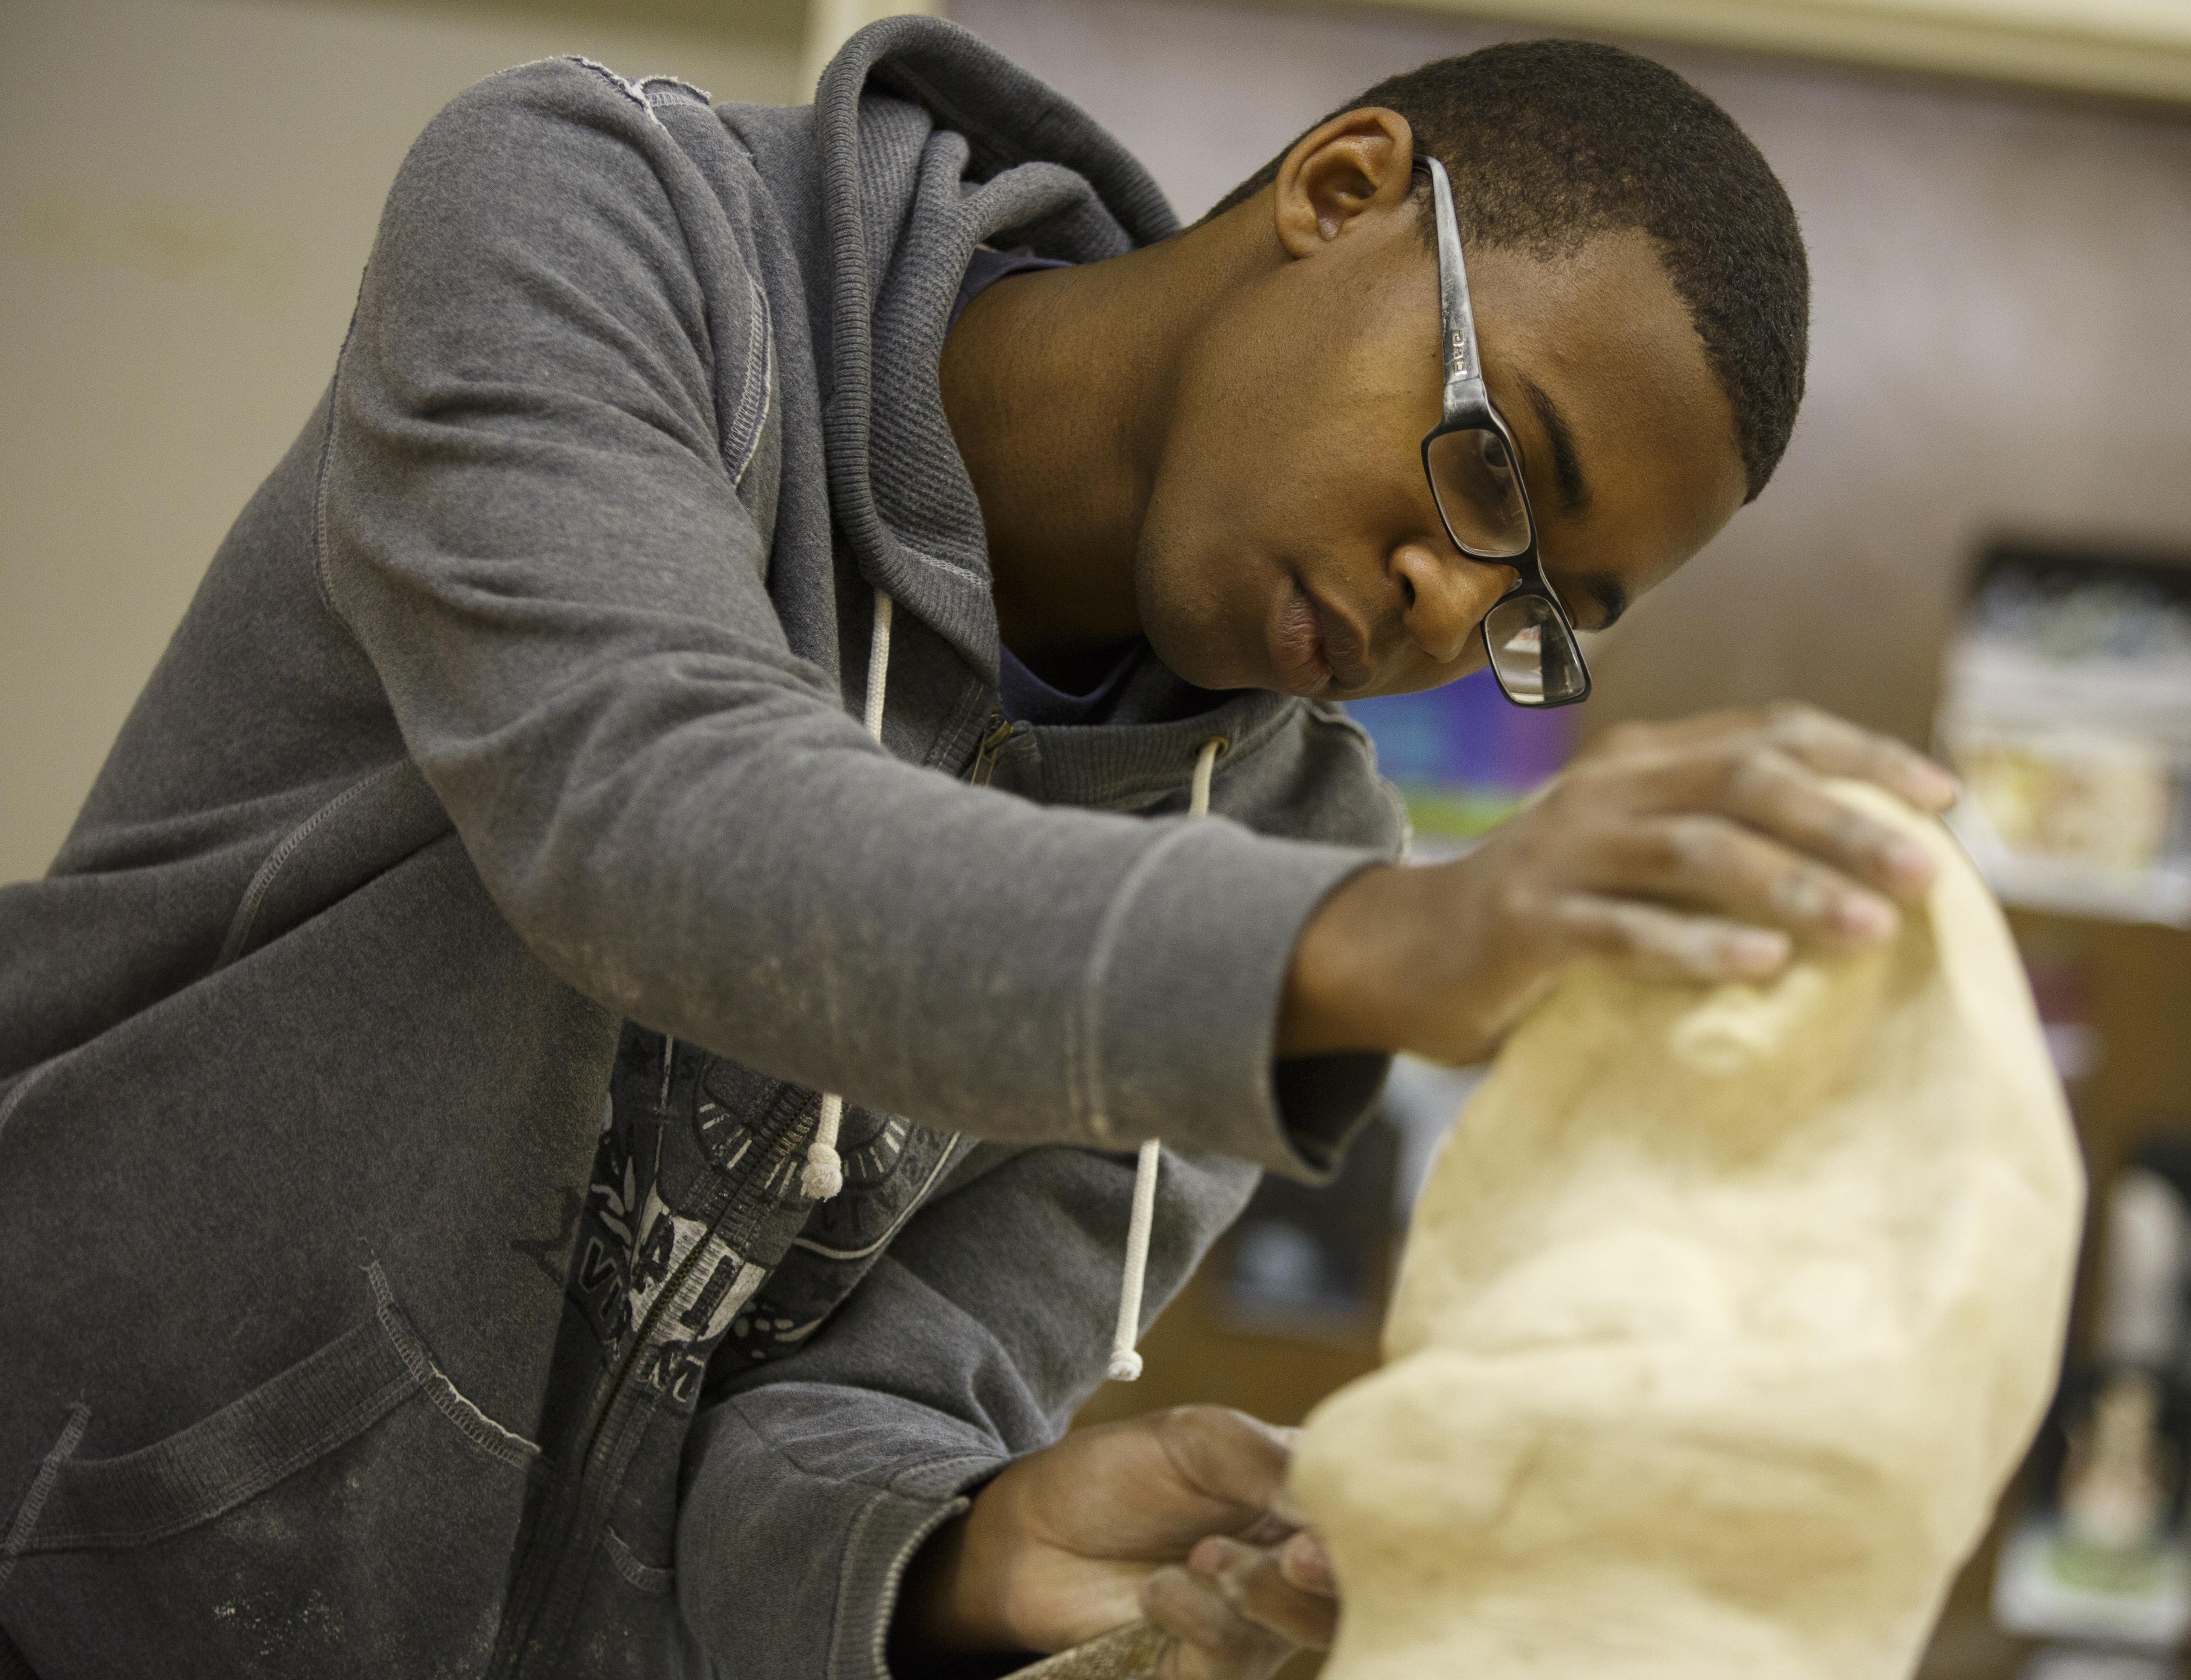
point(1980, 539)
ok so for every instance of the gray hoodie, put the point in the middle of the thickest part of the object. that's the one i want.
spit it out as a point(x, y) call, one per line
point(406, 1067)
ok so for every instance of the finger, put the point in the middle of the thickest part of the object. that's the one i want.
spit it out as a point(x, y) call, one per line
point(1837, 747)
point(1831, 745)
point(1773, 793)
point(1149, 1487)
point(1669, 944)
point(1212, 1640)
point(1303, 1561)
point(1254, 1583)
point(1712, 863)
point(1227, 1456)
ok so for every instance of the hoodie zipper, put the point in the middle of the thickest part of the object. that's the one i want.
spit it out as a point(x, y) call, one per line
point(996, 736)
point(620, 1414)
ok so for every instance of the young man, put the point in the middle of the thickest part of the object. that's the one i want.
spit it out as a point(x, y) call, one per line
point(430, 1247)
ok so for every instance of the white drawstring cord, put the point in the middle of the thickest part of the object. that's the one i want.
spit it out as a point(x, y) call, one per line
point(878, 664)
point(824, 1173)
point(1125, 1363)
point(1197, 798)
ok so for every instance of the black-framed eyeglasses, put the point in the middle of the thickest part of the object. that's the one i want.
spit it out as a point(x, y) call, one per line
point(1475, 470)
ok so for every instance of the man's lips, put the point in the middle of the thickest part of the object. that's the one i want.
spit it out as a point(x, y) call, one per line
point(1298, 653)
point(1346, 649)
point(1312, 647)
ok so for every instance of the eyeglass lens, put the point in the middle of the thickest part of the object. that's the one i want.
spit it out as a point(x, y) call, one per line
point(1533, 653)
point(1478, 486)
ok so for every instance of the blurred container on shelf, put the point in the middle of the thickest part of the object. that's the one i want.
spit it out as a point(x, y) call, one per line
point(1311, 1261)
point(2101, 1554)
point(2074, 1664)
point(1316, 1261)
point(2066, 707)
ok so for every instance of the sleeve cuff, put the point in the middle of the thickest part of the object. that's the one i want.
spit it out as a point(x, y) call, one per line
point(879, 1547)
point(1179, 1010)
point(860, 1505)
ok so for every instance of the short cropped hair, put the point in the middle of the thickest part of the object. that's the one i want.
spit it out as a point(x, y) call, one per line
point(1551, 143)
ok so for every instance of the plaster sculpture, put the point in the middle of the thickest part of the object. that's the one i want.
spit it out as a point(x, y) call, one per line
point(1724, 1316)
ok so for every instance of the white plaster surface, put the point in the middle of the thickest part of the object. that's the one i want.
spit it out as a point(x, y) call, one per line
point(1726, 1314)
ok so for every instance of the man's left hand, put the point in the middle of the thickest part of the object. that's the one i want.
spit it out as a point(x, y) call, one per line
point(1179, 1519)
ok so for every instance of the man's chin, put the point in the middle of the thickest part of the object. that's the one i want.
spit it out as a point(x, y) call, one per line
point(1181, 605)
point(1186, 653)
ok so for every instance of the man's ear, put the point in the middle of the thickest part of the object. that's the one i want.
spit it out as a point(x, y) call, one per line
point(1358, 161)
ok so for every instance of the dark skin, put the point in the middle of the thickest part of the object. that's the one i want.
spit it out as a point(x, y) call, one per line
point(1215, 443)
point(1124, 423)
point(1180, 1517)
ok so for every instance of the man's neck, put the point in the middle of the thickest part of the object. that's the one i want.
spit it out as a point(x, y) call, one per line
point(1058, 385)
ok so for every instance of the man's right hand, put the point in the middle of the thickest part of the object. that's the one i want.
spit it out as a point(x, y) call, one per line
point(1699, 848)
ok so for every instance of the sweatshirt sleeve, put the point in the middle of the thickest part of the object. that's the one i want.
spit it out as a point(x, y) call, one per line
point(530, 520)
point(811, 1482)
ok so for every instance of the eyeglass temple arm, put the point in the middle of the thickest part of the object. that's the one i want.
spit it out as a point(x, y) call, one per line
point(1464, 372)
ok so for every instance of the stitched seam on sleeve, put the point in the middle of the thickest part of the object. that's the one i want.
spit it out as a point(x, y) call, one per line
point(757, 386)
point(262, 882)
point(325, 473)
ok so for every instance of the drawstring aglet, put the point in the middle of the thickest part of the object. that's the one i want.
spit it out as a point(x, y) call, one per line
point(824, 1173)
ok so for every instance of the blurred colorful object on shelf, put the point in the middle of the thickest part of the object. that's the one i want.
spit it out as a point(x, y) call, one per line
point(2066, 706)
point(2101, 1553)
point(1462, 755)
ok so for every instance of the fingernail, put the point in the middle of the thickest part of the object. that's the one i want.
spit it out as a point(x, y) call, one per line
point(1209, 1555)
point(1755, 950)
point(1909, 861)
point(1947, 786)
point(1305, 1563)
point(1860, 916)
point(1803, 897)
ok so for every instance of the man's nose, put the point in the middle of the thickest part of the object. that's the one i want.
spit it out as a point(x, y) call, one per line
point(1448, 594)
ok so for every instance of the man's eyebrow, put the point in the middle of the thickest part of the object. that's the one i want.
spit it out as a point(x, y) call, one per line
point(1567, 471)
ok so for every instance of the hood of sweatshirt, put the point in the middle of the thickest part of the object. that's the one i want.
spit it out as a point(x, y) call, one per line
point(927, 144)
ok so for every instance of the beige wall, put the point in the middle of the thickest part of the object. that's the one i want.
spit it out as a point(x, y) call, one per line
point(188, 189)
point(2001, 340)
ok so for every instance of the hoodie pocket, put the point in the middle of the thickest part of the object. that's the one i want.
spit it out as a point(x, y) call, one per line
point(354, 1513)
